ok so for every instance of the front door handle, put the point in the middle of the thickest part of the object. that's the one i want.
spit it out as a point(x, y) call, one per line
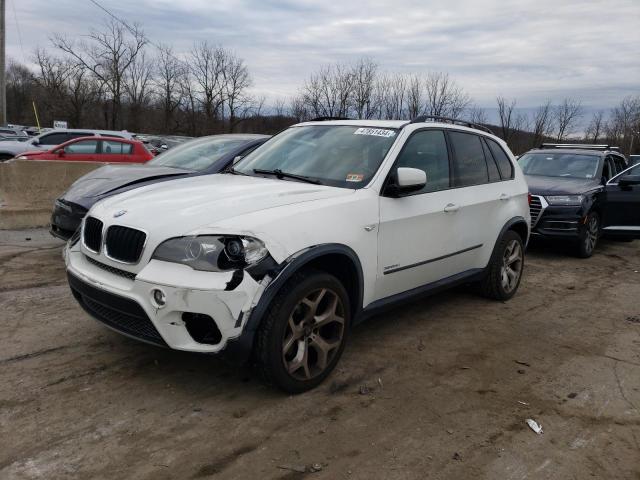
point(449, 208)
point(504, 197)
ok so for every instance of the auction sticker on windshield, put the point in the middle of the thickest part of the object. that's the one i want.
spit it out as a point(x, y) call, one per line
point(376, 132)
point(354, 177)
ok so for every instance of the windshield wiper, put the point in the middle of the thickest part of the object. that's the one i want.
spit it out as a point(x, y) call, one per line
point(280, 174)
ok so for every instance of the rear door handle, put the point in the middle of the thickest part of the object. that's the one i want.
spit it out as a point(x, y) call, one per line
point(451, 208)
point(504, 197)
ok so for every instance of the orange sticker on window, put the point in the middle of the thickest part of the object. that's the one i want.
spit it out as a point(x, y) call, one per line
point(354, 177)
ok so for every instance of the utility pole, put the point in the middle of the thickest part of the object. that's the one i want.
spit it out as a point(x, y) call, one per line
point(3, 83)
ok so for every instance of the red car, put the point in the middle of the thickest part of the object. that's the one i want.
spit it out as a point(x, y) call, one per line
point(94, 149)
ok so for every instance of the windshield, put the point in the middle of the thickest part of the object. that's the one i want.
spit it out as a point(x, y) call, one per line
point(197, 154)
point(560, 164)
point(336, 155)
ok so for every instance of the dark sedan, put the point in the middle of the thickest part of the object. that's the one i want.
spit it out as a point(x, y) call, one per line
point(201, 156)
point(575, 195)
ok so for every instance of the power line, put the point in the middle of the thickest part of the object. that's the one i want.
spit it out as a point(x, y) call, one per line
point(15, 17)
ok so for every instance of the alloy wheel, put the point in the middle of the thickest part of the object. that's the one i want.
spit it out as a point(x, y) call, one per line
point(512, 261)
point(591, 234)
point(313, 335)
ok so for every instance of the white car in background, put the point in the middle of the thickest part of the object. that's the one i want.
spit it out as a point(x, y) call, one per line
point(323, 225)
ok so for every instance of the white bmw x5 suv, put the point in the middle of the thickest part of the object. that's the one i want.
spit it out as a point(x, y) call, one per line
point(323, 225)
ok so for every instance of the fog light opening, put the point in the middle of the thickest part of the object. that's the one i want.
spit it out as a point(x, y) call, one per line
point(202, 328)
point(158, 297)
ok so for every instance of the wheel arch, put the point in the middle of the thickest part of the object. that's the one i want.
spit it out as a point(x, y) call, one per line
point(334, 258)
point(516, 224)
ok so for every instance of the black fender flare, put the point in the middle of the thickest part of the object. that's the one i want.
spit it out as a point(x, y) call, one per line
point(239, 349)
point(508, 226)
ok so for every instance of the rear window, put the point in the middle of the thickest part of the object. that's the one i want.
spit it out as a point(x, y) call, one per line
point(116, 148)
point(502, 159)
point(469, 166)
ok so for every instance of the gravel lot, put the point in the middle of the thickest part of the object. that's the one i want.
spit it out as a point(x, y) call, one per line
point(436, 389)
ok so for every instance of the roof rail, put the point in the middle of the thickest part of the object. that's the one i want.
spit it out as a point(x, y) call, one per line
point(454, 121)
point(580, 146)
point(326, 119)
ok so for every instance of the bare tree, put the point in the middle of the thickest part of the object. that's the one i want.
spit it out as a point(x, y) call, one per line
point(624, 124)
point(566, 116)
point(207, 65)
point(477, 115)
point(364, 73)
point(328, 92)
point(108, 55)
point(595, 127)
point(137, 86)
point(444, 97)
point(236, 83)
point(169, 70)
point(542, 123)
point(83, 91)
point(507, 117)
point(52, 78)
point(415, 96)
point(391, 91)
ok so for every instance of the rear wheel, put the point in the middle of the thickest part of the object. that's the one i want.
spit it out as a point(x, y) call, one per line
point(506, 267)
point(304, 331)
point(589, 234)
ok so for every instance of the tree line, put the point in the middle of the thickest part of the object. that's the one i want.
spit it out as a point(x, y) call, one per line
point(115, 78)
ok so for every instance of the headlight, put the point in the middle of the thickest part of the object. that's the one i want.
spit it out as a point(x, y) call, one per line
point(567, 200)
point(212, 253)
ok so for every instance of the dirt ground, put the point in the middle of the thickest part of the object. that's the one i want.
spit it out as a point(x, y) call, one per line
point(436, 389)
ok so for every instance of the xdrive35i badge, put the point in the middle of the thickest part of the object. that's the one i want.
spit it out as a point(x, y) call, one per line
point(119, 213)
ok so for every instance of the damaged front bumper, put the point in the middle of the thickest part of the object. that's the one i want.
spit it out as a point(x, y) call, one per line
point(168, 304)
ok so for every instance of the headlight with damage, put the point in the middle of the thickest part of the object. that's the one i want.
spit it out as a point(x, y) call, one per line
point(212, 253)
point(566, 200)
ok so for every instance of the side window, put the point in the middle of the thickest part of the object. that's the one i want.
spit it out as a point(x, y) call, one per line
point(608, 170)
point(502, 159)
point(85, 147)
point(469, 165)
point(114, 147)
point(53, 139)
point(620, 163)
point(427, 151)
point(494, 173)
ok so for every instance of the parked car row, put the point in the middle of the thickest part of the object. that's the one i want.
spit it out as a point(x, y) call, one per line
point(269, 249)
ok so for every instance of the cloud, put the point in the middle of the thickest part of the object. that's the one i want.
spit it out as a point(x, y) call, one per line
point(528, 49)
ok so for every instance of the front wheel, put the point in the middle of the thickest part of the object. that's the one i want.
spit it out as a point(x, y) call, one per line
point(303, 334)
point(589, 235)
point(506, 267)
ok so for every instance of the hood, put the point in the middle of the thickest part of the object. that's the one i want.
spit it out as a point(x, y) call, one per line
point(541, 185)
point(15, 147)
point(182, 206)
point(111, 178)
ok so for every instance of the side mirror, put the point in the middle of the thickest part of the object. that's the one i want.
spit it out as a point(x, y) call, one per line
point(406, 180)
point(629, 181)
point(60, 152)
point(35, 142)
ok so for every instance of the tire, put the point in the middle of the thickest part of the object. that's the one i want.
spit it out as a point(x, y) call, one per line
point(589, 234)
point(291, 352)
point(4, 157)
point(499, 284)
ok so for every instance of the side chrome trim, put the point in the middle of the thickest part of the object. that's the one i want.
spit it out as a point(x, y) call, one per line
point(631, 228)
point(398, 269)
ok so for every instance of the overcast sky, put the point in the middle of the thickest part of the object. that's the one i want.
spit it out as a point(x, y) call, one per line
point(528, 49)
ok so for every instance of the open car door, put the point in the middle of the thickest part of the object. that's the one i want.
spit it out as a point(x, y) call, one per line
point(622, 204)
